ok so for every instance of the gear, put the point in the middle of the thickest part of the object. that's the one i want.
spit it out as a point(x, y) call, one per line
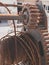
point(34, 16)
point(36, 19)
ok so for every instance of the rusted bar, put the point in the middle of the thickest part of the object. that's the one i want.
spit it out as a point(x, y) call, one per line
point(10, 17)
point(12, 5)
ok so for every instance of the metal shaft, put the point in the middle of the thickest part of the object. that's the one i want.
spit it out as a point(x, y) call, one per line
point(12, 5)
point(10, 17)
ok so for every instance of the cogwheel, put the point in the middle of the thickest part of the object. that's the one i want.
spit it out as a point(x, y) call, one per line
point(33, 16)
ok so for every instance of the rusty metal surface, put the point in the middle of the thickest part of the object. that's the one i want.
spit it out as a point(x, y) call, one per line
point(35, 17)
point(33, 47)
point(29, 50)
point(11, 5)
point(10, 17)
point(45, 38)
point(24, 47)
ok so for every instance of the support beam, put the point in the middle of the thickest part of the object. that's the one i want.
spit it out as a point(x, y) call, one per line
point(10, 17)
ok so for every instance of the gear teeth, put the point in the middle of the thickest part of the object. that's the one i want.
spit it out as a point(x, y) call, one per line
point(35, 14)
point(46, 37)
point(47, 40)
point(46, 44)
point(35, 10)
point(33, 7)
point(44, 31)
point(35, 18)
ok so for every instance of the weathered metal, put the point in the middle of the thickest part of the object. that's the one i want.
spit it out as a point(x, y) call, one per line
point(10, 17)
point(11, 5)
point(31, 46)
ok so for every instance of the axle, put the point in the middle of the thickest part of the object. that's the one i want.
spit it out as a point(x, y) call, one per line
point(11, 5)
point(11, 17)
